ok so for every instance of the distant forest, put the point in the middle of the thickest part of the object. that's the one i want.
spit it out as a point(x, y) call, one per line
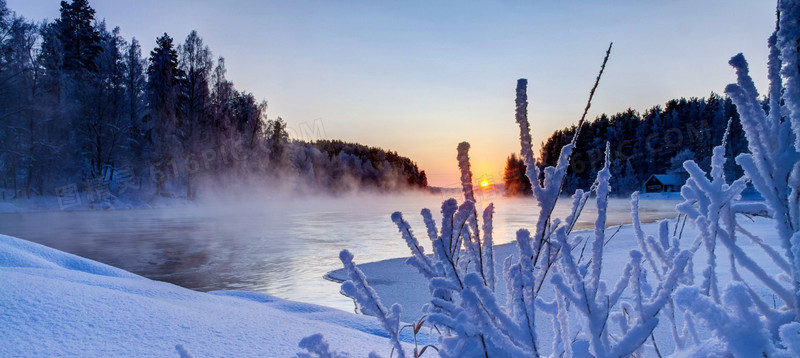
point(657, 141)
point(82, 109)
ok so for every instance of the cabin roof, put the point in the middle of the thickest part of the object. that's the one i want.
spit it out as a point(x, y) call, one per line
point(667, 179)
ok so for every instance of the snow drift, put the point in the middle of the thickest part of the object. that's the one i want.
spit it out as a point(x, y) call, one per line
point(57, 304)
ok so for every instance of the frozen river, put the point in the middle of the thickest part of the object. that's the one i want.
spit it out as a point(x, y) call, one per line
point(279, 246)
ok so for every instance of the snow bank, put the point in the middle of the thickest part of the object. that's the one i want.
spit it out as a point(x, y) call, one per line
point(57, 304)
point(397, 282)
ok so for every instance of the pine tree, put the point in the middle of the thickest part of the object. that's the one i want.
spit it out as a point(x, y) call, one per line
point(277, 137)
point(676, 164)
point(163, 94)
point(514, 178)
point(70, 49)
point(78, 37)
point(164, 78)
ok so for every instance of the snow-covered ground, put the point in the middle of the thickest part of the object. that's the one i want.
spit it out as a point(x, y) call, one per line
point(397, 282)
point(57, 304)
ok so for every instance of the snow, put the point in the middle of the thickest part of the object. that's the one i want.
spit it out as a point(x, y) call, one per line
point(396, 282)
point(57, 304)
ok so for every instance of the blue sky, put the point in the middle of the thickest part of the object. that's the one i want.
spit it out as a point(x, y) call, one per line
point(420, 76)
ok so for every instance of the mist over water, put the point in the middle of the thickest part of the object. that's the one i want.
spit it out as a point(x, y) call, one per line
point(276, 244)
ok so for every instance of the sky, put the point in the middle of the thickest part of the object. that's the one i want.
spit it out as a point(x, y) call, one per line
point(418, 77)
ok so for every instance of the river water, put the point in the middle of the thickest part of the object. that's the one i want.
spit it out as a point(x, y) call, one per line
point(281, 246)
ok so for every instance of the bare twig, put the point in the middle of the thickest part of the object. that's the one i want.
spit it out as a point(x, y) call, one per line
point(591, 95)
point(580, 123)
point(612, 235)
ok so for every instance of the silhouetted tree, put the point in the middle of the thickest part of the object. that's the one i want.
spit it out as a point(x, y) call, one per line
point(514, 178)
point(277, 137)
point(79, 40)
point(163, 93)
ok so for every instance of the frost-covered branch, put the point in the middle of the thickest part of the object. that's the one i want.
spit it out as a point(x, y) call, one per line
point(773, 164)
point(732, 323)
point(418, 259)
point(582, 287)
point(488, 246)
point(357, 287)
point(773, 168)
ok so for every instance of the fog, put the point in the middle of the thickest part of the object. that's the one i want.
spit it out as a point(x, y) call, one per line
point(274, 243)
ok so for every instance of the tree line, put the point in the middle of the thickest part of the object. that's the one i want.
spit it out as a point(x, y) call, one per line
point(657, 141)
point(80, 104)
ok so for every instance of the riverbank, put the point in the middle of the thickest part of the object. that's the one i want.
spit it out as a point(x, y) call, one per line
point(57, 304)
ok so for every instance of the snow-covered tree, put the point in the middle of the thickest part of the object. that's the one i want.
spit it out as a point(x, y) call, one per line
point(623, 177)
point(676, 163)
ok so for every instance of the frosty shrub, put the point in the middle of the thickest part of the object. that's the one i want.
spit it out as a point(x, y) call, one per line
point(553, 289)
point(741, 322)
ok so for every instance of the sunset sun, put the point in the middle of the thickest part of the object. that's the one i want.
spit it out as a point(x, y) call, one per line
point(484, 183)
